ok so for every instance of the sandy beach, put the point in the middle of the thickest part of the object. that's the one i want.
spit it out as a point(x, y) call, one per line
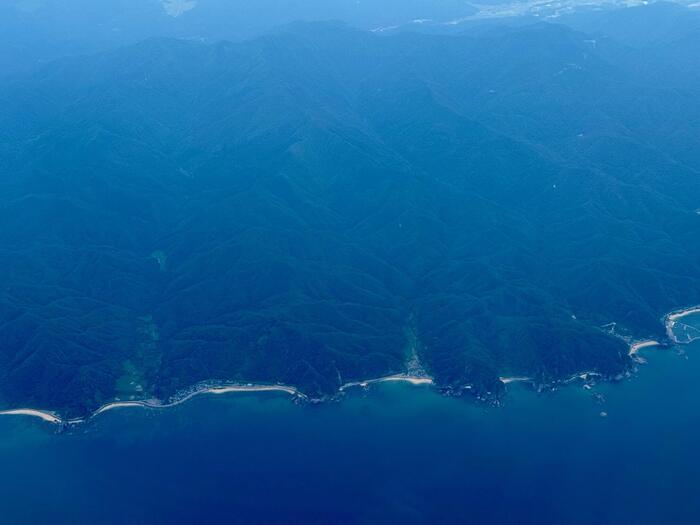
point(46, 416)
point(414, 380)
point(640, 345)
point(50, 417)
point(670, 321)
point(509, 380)
point(217, 390)
point(210, 390)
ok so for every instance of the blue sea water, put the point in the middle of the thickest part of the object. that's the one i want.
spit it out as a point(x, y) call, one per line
point(395, 454)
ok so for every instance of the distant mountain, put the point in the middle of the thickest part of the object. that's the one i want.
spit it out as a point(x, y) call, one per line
point(325, 205)
point(664, 38)
point(35, 31)
point(634, 23)
point(645, 25)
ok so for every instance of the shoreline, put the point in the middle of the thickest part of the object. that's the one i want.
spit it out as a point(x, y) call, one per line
point(177, 399)
point(46, 416)
point(212, 388)
point(672, 318)
point(413, 380)
point(516, 379)
point(192, 392)
point(637, 346)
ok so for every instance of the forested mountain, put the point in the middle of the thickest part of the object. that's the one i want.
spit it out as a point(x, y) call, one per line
point(641, 26)
point(33, 32)
point(323, 204)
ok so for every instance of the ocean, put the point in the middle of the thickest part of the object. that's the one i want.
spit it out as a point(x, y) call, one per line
point(396, 453)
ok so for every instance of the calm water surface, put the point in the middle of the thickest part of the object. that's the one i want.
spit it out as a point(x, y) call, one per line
point(395, 454)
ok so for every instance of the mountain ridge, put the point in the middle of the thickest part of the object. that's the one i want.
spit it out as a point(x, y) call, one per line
point(289, 208)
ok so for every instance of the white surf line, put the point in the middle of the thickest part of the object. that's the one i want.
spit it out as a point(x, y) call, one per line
point(583, 376)
point(509, 380)
point(126, 404)
point(640, 345)
point(215, 390)
point(46, 416)
point(414, 380)
point(51, 417)
point(219, 390)
point(672, 318)
point(678, 314)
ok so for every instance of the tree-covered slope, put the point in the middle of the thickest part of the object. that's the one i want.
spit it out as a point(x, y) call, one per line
point(322, 205)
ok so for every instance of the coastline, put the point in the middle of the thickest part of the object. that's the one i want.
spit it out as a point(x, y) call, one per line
point(516, 379)
point(178, 399)
point(637, 346)
point(671, 319)
point(204, 389)
point(215, 388)
point(46, 416)
point(414, 380)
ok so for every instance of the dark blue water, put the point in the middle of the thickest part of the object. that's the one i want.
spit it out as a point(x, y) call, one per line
point(397, 454)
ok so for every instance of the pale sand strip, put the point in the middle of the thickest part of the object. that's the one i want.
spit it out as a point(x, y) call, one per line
point(153, 403)
point(46, 416)
point(124, 404)
point(674, 316)
point(640, 345)
point(215, 390)
point(414, 380)
point(218, 390)
point(509, 380)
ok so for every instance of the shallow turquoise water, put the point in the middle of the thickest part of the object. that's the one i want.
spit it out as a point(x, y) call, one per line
point(396, 453)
